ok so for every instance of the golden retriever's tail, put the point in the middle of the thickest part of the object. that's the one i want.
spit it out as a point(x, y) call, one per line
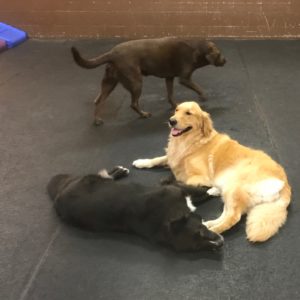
point(264, 220)
point(90, 63)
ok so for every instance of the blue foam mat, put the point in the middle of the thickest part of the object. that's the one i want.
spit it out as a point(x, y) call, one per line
point(12, 36)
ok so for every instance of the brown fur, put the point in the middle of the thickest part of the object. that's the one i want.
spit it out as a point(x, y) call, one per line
point(248, 180)
point(167, 58)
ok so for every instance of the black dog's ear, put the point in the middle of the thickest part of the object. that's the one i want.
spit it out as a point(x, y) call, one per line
point(175, 224)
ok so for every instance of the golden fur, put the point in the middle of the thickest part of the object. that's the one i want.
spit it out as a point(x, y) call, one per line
point(249, 181)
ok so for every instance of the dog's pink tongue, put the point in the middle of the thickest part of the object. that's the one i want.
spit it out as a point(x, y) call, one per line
point(175, 131)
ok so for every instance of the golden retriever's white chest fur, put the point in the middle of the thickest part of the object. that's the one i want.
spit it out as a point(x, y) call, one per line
point(176, 153)
point(178, 156)
point(190, 156)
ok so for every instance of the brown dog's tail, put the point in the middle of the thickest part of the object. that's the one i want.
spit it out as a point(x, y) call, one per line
point(264, 220)
point(90, 63)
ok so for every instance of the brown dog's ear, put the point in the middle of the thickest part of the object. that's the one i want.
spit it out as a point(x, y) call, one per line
point(206, 124)
point(212, 54)
point(209, 58)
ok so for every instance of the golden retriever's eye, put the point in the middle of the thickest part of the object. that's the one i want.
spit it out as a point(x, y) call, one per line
point(188, 113)
point(176, 109)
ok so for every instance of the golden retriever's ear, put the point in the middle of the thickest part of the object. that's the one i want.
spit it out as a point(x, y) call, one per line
point(207, 125)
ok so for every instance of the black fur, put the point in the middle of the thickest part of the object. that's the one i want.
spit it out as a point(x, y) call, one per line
point(159, 214)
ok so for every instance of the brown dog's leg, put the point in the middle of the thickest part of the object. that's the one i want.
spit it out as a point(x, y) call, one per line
point(132, 80)
point(187, 81)
point(135, 96)
point(109, 82)
point(169, 84)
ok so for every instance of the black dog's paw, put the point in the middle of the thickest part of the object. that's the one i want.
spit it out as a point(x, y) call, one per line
point(118, 172)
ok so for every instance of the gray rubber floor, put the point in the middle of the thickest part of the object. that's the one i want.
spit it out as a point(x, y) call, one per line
point(46, 128)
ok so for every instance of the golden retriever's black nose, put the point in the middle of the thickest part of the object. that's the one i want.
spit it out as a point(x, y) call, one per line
point(172, 122)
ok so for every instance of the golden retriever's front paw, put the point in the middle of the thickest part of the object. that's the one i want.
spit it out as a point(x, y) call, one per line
point(208, 224)
point(142, 163)
point(216, 229)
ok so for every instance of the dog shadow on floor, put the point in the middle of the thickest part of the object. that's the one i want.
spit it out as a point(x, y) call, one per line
point(124, 240)
point(120, 129)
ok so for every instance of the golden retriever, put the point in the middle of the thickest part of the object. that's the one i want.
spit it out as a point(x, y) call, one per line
point(249, 181)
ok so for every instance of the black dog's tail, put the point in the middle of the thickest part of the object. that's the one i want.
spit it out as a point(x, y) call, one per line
point(55, 184)
point(90, 63)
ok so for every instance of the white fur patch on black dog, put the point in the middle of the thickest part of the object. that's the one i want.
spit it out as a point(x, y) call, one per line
point(190, 204)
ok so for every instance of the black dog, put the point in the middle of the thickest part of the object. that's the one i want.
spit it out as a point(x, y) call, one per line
point(164, 214)
point(162, 57)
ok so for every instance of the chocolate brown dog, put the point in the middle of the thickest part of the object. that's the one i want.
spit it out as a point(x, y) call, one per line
point(166, 58)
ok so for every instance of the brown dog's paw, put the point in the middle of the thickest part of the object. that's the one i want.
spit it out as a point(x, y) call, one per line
point(98, 122)
point(145, 115)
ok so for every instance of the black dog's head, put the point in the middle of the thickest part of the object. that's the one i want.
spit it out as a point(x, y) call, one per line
point(57, 183)
point(187, 233)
